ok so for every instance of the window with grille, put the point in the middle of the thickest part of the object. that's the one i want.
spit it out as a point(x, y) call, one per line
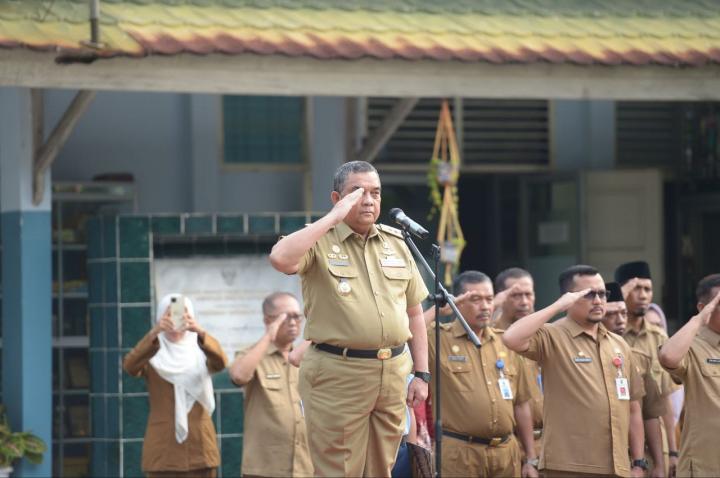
point(494, 132)
point(648, 133)
point(266, 130)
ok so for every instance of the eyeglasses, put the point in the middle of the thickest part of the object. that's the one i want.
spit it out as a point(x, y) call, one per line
point(601, 294)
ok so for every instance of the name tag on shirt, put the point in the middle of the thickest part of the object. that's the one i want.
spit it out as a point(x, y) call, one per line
point(713, 361)
point(457, 358)
point(339, 263)
point(505, 389)
point(582, 360)
point(272, 375)
point(392, 262)
point(623, 392)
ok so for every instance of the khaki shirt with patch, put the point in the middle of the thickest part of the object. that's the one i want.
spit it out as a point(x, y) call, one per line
point(653, 403)
point(534, 373)
point(356, 291)
point(699, 372)
point(274, 432)
point(585, 424)
point(648, 340)
point(471, 400)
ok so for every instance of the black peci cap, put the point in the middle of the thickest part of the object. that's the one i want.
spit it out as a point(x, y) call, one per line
point(629, 270)
point(614, 292)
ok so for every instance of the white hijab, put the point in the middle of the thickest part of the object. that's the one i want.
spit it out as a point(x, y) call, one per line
point(184, 364)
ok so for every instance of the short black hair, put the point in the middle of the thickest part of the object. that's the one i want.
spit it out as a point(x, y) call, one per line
point(349, 168)
point(567, 277)
point(705, 287)
point(468, 277)
point(268, 305)
point(511, 273)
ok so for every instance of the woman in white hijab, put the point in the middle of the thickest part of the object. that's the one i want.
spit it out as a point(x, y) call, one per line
point(176, 364)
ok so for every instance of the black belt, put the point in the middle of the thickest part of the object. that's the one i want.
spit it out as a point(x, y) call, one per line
point(380, 354)
point(483, 441)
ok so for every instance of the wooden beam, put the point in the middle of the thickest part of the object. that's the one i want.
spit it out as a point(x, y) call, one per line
point(47, 153)
point(278, 75)
point(389, 125)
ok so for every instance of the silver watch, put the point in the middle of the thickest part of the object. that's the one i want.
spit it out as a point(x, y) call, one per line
point(535, 462)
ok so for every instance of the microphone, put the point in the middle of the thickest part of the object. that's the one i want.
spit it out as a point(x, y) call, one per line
point(397, 215)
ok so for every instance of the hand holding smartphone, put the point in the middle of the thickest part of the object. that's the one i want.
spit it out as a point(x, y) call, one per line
point(177, 311)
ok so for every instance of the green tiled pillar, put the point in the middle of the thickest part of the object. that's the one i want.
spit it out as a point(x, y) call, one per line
point(119, 254)
point(119, 261)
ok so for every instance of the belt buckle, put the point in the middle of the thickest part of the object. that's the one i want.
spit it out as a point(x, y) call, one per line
point(537, 433)
point(496, 441)
point(384, 354)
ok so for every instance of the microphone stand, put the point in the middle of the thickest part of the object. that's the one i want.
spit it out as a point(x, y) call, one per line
point(440, 297)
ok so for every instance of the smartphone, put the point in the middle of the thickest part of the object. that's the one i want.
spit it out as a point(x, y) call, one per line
point(177, 311)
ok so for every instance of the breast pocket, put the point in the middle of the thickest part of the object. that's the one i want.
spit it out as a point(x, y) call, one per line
point(710, 371)
point(397, 282)
point(345, 283)
point(272, 385)
point(459, 374)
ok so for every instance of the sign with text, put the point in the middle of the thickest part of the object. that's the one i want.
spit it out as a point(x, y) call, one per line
point(227, 293)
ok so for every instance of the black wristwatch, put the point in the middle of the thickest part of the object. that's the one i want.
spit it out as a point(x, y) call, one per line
point(424, 376)
point(641, 463)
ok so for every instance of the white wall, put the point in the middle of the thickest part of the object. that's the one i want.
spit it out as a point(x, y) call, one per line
point(171, 143)
point(146, 134)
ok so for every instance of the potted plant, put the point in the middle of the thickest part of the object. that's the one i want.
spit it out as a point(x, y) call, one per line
point(16, 445)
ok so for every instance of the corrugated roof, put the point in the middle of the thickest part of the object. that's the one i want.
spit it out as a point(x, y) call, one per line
point(608, 32)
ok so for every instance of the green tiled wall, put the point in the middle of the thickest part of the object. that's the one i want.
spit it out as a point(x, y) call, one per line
point(120, 253)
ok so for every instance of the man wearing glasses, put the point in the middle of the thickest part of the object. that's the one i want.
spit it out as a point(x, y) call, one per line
point(591, 384)
point(275, 437)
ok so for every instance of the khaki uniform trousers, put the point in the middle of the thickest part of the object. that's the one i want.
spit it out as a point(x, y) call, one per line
point(460, 458)
point(199, 473)
point(354, 411)
point(571, 474)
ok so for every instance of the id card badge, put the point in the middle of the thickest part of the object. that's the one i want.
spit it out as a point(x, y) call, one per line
point(621, 384)
point(505, 389)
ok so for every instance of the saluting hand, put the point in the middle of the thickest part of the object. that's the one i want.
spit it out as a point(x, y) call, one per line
point(569, 298)
point(501, 297)
point(271, 329)
point(629, 286)
point(704, 315)
point(344, 205)
point(446, 310)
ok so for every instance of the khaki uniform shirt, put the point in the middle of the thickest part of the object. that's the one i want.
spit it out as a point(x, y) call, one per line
point(274, 433)
point(653, 403)
point(699, 371)
point(161, 451)
point(471, 400)
point(356, 291)
point(648, 340)
point(534, 373)
point(585, 424)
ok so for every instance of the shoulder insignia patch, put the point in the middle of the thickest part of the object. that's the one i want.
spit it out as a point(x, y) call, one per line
point(390, 230)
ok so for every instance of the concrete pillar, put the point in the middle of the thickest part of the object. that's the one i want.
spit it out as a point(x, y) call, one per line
point(26, 280)
point(327, 146)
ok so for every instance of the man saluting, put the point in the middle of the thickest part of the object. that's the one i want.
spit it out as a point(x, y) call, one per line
point(362, 295)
